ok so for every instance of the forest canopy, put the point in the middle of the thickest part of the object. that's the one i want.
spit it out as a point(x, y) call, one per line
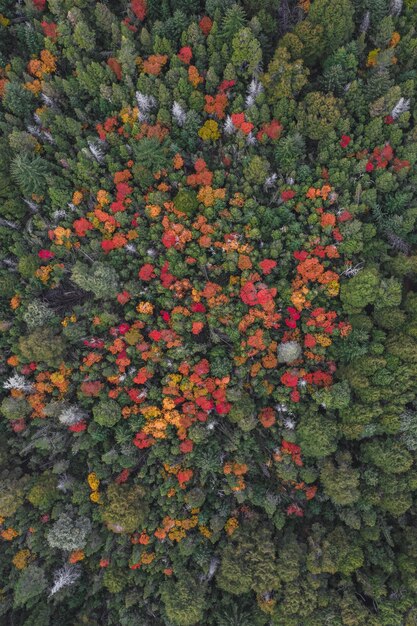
point(208, 314)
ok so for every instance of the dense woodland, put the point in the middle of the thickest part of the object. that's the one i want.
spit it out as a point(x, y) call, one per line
point(208, 410)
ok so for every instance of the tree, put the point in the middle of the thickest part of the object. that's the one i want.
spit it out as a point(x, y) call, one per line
point(107, 413)
point(319, 114)
point(284, 79)
point(248, 562)
point(184, 601)
point(340, 481)
point(42, 344)
point(359, 291)
point(318, 435)
point(100, 279)
point(30, 173)
point(68, 533)
point(31, 583)
point(124, 510)
point(246, 52)
point(336, 20)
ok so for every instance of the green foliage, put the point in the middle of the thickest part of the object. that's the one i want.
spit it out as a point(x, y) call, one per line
point(124, 510)
point(43, 345)
point(37, 313)
point(209, 318)
point(242, 412)
point(99, 279)
point(31, 583)
point(106, 413)
point(68, 533)
point(336, 20)
point(11, 495)
point(114, 579)
point(318, 436)
point(14, 408)
point(359, 291)
point(340, 482)
point(246, 52)
point(389, 456)
point(319, 114)
point(249, 563)
point(284, 79)
point(30, 173)
point(17, 99)
point(184, 601)
point(233, 20)
point(43, 493)
point(186, 201)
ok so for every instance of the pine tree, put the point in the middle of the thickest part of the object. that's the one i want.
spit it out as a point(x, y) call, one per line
point(30, 173)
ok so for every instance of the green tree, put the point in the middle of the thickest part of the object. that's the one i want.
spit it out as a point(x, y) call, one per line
point(107, 412)
point(30, 173)
point(101, 279)
point(336, 20)
point(246, 52)
point(359, 291)
point(125, 509)
point(340, 481)
point(248, 562)
point(318, 435)
point(284, 79)
point(319, 114)
point(184, 601)
point(44, 346)
point(31, 583)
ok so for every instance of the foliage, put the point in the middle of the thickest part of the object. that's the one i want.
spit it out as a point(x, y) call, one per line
point(208, 320)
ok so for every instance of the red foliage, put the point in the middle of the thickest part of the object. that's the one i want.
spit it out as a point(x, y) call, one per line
point(142, 376)
point(122, 477)
point(184, 476)
point(139, 9)
point(124, 297)
point(50, 30)
point(185, 55)
point(78, 428)
point(166, 278)
point(18, 425)
point(215, 105)
point(45, 254)
point(226, 84)
point(287, 194)
point(289, 380)
point(142, 440)
point(223, 408)
point(271, 131)
point(186, 446)
point(291, 448)
point(309, 341)
point(294, 509)
point(267, 417)
point(91, 388)
point(81, 226)
point(249, 294)
point(147, 272)
point(202, 367)
point(205, 25)
point(238, 120)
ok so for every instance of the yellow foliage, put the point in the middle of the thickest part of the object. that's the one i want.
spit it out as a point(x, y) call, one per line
point(209, 130)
